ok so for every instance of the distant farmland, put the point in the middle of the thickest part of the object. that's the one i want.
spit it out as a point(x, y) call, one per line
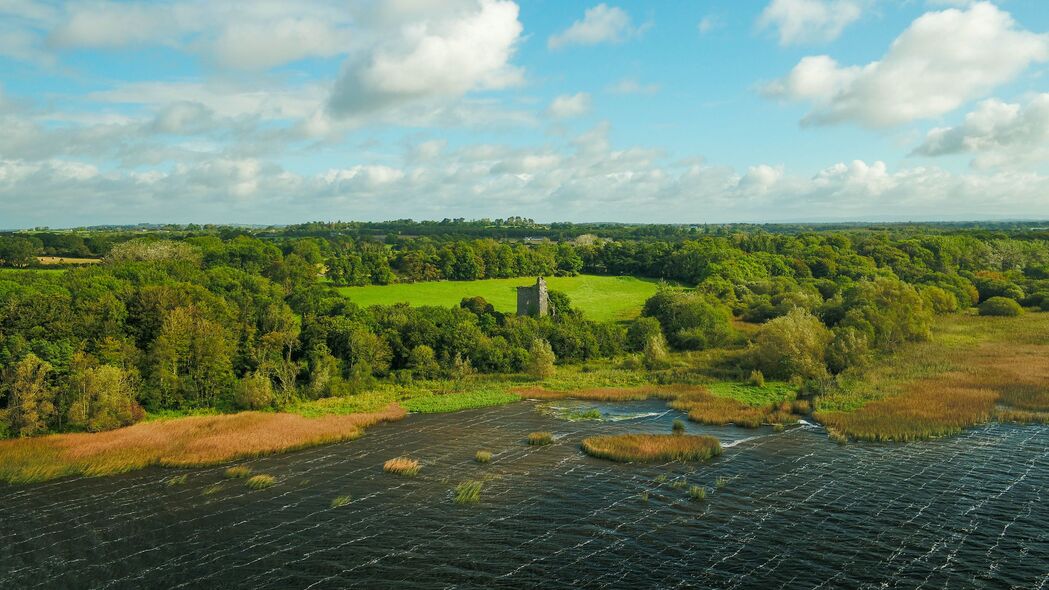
point(600, 298)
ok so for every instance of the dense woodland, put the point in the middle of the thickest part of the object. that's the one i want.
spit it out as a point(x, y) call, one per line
point(185, 318)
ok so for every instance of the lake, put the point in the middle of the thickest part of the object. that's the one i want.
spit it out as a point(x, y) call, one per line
point(793, 511)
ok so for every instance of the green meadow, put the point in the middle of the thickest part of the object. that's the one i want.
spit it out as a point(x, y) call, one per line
point(600, 298)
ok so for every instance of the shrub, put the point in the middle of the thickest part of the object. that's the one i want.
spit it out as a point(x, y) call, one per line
point(468, 492)
point(1000, 306)
point(757, 378)
point(402, 466)
point(253, 392)
point(483, 456)
point(260, 481)
point(794, 344)
point(238, 472)
point(641, 331)
point(541, 359)
point(655, 353)
point(540, 438)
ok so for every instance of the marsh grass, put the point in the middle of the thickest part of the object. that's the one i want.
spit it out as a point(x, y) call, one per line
point(185, 442)
point(468, 492)
point(662, 478)
point(212, 489)
point(974, 370)
point(402, 466)
point(721, 482)
point(538, 439)
point(483, 456)
point(652, 447)
point(260, 482)
point(678, 427)
point(697, 493)
point(643, 497)
point(679, 484)
point(237, 472)
point(177, 480)
point(340, 501)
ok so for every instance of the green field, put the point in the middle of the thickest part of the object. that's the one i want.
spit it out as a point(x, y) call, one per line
point(600, 298)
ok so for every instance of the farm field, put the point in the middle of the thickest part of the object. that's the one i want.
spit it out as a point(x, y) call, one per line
point(600, 298)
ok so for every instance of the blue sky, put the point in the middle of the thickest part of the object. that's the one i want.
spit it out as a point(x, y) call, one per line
point(702, 111)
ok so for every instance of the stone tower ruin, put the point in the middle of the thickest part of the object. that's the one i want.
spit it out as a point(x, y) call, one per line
point(534, 300)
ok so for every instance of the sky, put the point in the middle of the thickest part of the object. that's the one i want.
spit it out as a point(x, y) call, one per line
point(701, 111)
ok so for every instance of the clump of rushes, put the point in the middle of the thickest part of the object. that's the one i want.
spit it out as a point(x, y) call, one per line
point(678, 427)
point(697, 493)
point(778, 427)
point(212, 489)
point(177, 480)
point(679, 484)
point(402, 466)
point(483, 456)
point(721, 482)
point(238, 472)
point(540, 438)
point(837, 437)
point(340, 501)
point(261, 481)
point(643, 496)
point(468, 492)
point(662, 478)
point(652, 447)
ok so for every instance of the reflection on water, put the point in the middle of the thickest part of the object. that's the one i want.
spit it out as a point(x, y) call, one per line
point(795, 511)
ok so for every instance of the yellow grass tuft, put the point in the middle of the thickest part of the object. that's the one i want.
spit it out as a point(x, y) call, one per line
point(402, 466)
point(539, 439)
point(652, 447)
point(260, 482)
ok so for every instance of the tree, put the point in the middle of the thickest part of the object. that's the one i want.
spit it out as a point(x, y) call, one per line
point(31, 399)
point(104, 399)
point(253, 392)
point(423, 362)
point(640, 332)
point(541, 359)
point(793, 344)
point(191, 361)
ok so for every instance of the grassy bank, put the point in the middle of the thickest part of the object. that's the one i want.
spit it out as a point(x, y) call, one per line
point(652, 447)
point(184, 442)
point(601, 298)
point(974, 369)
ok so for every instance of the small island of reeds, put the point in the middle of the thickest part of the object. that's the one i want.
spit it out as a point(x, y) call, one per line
point(402, 466)
point(652, 447)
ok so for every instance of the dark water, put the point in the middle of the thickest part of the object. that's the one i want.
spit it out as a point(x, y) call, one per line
point(797, 512)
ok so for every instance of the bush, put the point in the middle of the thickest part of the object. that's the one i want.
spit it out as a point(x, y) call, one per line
point(792, 345)
point(1000, 306)
point(253, 392)
point(757, 378)
point(655, 354)
point(541, 359)
point(691, 321)
point(641, 331)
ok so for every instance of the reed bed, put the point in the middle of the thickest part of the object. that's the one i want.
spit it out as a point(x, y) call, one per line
point(185, 442)
point(483, 457)
point(468, 492)
point(538, 439)
point(652, 447)
point(402, 466)
point(260, 481)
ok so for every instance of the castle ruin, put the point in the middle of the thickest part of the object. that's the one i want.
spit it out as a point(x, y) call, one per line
point(534, 300)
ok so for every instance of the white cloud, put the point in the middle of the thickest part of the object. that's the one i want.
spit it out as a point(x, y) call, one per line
point(709, 23)
point(443, 57)
point(809, 21)
point(569, 105)
point(997, 133)
point(943, 60)
point(600, 24)
point(632, 86)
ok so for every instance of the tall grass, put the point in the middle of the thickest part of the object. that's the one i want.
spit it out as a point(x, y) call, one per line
point(539, 439)
point(261, 481)
point(402, 466)
point(340, 501)
point(185, 442)
point(237, 472)
point(697, 493)
point(468, 492)
point(652, 447)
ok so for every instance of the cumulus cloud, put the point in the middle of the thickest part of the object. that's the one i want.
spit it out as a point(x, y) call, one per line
point(600, 24)
point(996, 133)
point(569, 105)
point(440, 57)
point(809, 21)
point(943, 60)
